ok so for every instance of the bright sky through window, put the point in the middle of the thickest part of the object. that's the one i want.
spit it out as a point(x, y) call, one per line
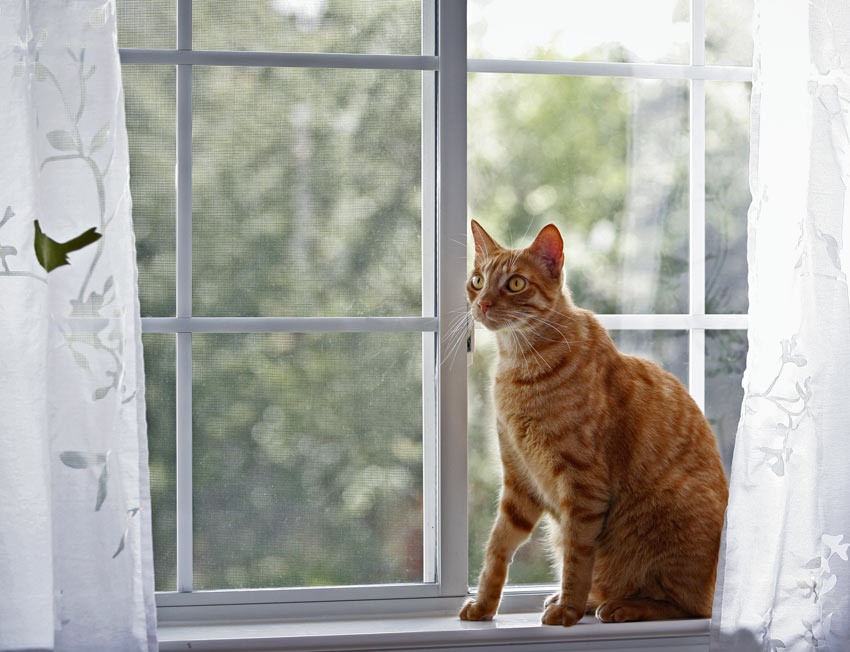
point(650, 30)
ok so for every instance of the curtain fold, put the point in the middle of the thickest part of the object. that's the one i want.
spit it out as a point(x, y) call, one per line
point(784, 576)
point(76, 569)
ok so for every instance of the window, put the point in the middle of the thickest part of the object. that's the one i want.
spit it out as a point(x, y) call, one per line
point(298, 171)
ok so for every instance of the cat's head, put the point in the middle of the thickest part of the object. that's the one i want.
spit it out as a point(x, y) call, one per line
point(513, 287)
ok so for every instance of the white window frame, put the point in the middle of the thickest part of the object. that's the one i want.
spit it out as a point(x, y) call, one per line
point(444, 205)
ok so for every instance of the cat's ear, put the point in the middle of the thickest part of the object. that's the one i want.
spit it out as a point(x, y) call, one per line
point(484, 244)
point(548, 247)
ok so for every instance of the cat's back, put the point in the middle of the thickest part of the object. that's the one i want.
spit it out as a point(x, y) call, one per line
point(659, 435)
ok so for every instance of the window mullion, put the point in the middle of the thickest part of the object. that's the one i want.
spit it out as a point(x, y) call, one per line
point(696, 367)
point(451, 299)
point(184, 301)
point(430, 448)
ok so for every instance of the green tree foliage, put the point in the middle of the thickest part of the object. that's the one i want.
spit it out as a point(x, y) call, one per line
point(307, 449)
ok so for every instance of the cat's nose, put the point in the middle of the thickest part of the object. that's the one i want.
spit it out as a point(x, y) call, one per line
point(485, 305)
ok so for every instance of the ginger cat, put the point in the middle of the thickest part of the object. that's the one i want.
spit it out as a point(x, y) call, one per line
point(609, 446)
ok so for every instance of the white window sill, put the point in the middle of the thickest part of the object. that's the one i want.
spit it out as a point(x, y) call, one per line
point(520, 631)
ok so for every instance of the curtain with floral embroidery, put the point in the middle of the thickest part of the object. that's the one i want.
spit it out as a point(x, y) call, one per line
point(76, 570)
point(784, 575)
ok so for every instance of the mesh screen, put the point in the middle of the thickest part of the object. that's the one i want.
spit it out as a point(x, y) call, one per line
point(725, 361)
point(150, 111)
point(727, 195)
point(606, 160)
point(148, 24)
point(346, 26)
point(159, 352)
point(307, 459)
point(728, 32)
point(306, 192)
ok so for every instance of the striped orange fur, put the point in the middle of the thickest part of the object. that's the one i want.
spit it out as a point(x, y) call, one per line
point(610, 447)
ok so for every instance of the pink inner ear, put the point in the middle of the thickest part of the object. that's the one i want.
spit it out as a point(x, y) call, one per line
point(484, 244)
point(549, 248)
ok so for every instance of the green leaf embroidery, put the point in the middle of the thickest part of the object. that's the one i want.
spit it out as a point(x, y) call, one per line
point(61, 140)
point(120, 545)
point(41, 71)
point(101, 487)
point(79, 460)
point(52, 254)
point(100, 393)
point(80, 359)
point(7, 215)
point(832, 250)
point(100, 138)
point(130, 514)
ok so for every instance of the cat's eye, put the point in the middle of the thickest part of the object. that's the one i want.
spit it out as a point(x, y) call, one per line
point(477, 281)
point(516, 283)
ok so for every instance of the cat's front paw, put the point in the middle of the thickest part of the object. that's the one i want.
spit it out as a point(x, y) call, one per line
point(555, 614)
point(474, 610)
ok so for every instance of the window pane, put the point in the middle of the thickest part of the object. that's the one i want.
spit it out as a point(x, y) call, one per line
point(307, 459)
point(726, 359)
point(604, 159)
point(307, 187)
point(150, 24)
point(150, 109)
point(603, 30)
point(348, 26)
point(159, 352)
point(727, 195)
point(729, 32)
point(668, 349)
point(531, 564)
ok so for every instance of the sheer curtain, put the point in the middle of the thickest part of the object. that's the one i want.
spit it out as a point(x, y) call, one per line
point(784, 575)
point(76, 570)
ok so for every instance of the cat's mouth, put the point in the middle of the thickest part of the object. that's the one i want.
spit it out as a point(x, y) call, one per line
point(493, 320)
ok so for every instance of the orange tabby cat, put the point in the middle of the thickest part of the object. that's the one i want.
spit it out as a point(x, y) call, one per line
point(609, 446)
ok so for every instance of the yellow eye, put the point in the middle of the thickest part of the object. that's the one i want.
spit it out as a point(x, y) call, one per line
point(477, 281)
point(516, 283)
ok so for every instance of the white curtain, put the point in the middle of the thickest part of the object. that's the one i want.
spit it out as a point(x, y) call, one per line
point(76, 570)
point(784, 575)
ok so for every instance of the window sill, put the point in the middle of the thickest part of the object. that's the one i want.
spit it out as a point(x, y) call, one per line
point(520, 631)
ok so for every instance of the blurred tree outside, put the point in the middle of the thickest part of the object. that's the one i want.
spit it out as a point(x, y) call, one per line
point(307, 448)
point(306, 202)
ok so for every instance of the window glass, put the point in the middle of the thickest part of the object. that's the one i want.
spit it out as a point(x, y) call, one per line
point(348, 26)
point(603, 30)
point(159, 354)
point(147, 24)
point(726, 359)
point(150, 114)
point(307, 459)
point(727, 195)
point(729, 32)
point(604, 159)
point(307, 192)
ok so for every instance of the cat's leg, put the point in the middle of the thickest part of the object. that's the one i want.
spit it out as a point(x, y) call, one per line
point(518, 514)
point(631, 609)
point(580, 526)
point(556, 546)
